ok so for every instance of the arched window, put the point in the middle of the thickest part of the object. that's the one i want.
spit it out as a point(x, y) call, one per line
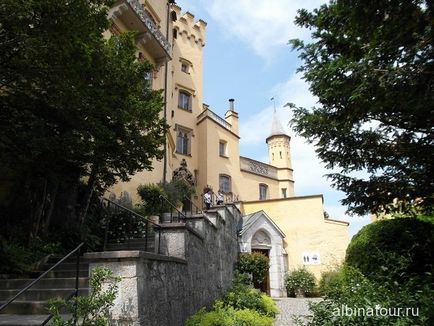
point(263, 191)
point(225, 183)
point(183, 141)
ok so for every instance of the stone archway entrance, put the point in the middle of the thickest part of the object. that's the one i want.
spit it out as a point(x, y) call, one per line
point(261, 242)
point(259, 233)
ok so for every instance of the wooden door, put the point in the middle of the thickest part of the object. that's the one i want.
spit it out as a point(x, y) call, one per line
point(264, 286)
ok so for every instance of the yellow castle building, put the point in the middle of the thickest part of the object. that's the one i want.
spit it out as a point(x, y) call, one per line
point(293, 231)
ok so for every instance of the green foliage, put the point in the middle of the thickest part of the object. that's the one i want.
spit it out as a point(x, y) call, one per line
point(152, 203)
point(175, 191)
point(394, 251)
point(92, 310)
point(241, 305)
point(353, 290)
point(255, 263)
point(16, 258)
point(73, 106)
point(328, 280)
point(241, 296)
point(370, 66)
point(227, 316)
point(300, 280)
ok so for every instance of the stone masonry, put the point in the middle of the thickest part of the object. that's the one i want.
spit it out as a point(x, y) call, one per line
point(195, 265)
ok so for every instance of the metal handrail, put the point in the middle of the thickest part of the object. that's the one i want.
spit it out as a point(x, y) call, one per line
point(75, 293)
point(129, 210)
point(134, 214)
point(197, 209)
point(180, 214)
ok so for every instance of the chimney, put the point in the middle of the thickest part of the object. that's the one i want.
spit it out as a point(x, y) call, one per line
point(231, 116)
point(231, 104)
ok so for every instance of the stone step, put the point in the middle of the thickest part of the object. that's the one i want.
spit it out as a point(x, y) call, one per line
point(65, 266)
point(40, 294)
point(44, 283)
point(25, 308)
point(53, 259)
point(26, 320)
point(59, 273)
point(131, 246)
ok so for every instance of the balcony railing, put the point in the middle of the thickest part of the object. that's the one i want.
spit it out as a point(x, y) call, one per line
point(141, 22)
point(208, 113)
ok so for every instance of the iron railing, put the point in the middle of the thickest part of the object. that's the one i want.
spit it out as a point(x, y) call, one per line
point(124, 227)
point(73, 293)
point(228, 198)
point(191, 207)
point(174, 214)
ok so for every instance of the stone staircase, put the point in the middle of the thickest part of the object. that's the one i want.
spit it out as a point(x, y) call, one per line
point(30, 307)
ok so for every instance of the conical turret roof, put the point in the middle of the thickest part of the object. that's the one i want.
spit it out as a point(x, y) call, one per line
point(276, 126)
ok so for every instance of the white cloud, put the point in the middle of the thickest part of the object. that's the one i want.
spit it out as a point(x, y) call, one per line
point(308, 170)
point(262, 25)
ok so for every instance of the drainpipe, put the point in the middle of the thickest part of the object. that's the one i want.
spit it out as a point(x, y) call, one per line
point(166, 77)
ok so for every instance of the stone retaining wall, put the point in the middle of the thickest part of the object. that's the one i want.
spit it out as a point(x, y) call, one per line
point(197, 265)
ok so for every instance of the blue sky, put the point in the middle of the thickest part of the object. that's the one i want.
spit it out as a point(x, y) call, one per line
point(247, 57)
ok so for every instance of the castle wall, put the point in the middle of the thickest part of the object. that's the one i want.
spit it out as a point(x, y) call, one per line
point(197, 265)
point(307, 231)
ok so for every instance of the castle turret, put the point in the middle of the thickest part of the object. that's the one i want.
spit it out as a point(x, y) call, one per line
point(279, 155)
point(278, 142)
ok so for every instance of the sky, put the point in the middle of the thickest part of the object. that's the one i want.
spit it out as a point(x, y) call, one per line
point(247, 57)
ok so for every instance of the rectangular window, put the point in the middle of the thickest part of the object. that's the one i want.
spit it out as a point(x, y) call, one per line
point(183, 141)
point(184, 100)
point(263, 189)
point(225, 183)
point(184, 68)
point(222, 148)
point(284, 195)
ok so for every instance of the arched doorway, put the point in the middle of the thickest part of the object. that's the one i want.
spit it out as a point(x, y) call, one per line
point(261, 242)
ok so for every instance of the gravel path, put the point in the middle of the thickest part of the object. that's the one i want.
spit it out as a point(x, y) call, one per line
point(290, 307)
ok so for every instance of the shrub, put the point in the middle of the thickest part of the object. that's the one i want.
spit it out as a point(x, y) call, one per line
point(92, 309)
point(150, 195)
point(328, 279)
point(241, 305)
point(300, 280)
point(394, 251)
point(351, 289)
point(17, 258)
point(228, 316)
point(241, 296)
point(254, 263)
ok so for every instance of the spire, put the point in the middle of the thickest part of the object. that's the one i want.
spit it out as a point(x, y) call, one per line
point(276, 126)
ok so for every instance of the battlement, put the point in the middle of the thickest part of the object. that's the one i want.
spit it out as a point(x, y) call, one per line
point(188, 26)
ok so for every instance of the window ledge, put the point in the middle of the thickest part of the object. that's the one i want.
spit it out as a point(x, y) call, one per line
point(187, 110)
point(224, 156)
point(189, 155)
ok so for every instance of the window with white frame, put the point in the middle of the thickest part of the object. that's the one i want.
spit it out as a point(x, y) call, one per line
point(184, 100)
point(225, 183)
point(183, 141)
point(263, 191)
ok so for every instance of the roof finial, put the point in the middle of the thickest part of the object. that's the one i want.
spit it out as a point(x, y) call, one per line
point(274, 104)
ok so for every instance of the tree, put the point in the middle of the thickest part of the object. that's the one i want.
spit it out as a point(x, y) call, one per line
point(371, 65)
point(73, 106)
